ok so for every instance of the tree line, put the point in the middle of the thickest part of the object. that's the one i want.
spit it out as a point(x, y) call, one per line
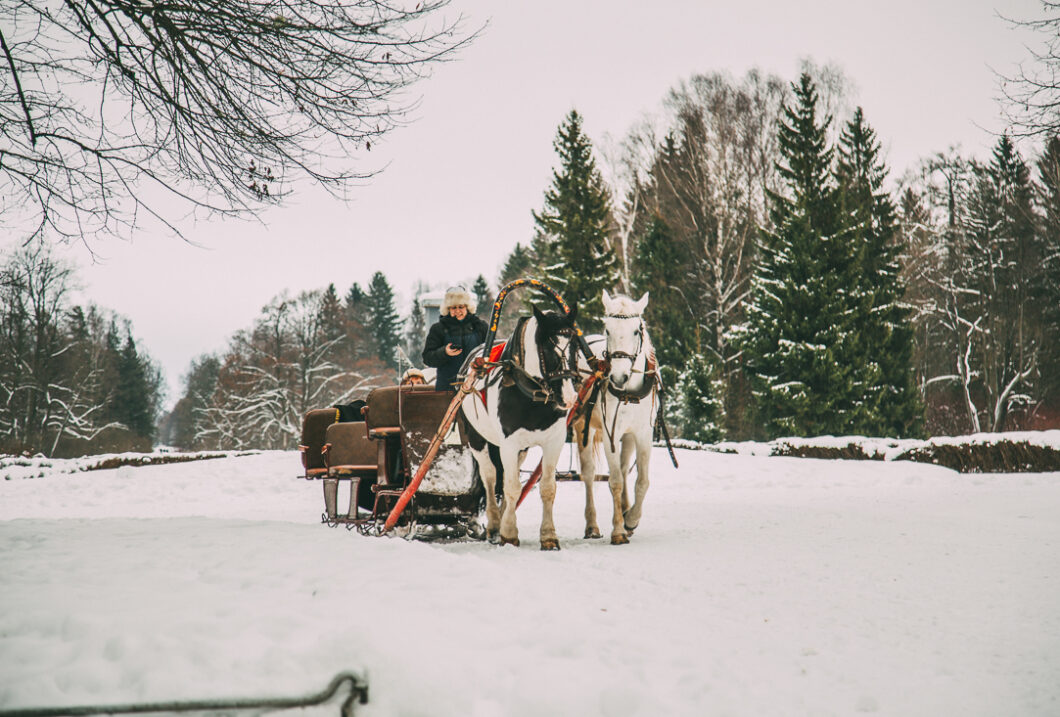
point(304, 352)
point(794, 292)
point(72, 379)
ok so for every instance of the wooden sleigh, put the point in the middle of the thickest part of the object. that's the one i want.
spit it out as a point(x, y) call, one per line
point(369, 463)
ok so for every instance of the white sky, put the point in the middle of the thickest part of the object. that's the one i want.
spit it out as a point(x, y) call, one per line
point(462, 178)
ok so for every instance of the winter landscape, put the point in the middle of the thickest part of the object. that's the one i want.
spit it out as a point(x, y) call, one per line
point(219, 218)
point(754, 586)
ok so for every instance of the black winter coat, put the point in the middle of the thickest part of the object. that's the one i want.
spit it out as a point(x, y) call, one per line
point(466, 335)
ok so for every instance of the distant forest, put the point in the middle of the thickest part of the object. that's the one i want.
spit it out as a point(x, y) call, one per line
point(796, 289)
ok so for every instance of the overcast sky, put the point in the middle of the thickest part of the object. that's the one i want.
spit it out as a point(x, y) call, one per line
point(461, 180)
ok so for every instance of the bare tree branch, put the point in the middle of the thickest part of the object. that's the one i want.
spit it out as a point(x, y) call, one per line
point(113, 107)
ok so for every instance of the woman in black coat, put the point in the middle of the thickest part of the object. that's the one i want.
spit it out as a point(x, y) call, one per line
point(450, 340)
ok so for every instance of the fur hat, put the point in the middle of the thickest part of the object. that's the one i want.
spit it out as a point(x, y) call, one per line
point(455, 296)
point(410, 373)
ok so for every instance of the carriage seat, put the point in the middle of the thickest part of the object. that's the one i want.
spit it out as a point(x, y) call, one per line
point(382, 415)
point(314, 429)
point(349, 450)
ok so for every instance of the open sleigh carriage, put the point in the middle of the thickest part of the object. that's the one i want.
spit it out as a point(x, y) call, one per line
point(365, 466)
point(406, 465)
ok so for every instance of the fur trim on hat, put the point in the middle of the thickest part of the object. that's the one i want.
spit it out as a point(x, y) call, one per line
point(412, 372)
point(456, 295)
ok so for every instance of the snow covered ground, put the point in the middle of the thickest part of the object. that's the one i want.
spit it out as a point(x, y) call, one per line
point(754, 586)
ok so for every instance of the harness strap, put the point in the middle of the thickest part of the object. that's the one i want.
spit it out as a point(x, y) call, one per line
point(512, 361)
point(661, 423)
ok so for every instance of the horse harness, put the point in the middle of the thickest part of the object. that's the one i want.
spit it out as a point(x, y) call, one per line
point(512, 373)
point(650, 372)
point(651, 386)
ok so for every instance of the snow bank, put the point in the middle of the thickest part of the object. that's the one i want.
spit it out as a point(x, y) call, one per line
point(39, 466)
point(1017, 451)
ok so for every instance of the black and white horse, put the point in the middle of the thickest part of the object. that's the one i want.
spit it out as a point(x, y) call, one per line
point(623, 418)
point(521, 404)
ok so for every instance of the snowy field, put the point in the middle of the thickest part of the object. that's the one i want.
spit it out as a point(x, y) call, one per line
point(754, 586)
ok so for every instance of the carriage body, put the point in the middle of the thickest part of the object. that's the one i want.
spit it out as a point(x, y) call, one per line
point(364, 466)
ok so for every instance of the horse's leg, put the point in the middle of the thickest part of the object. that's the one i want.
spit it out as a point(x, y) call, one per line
point(632, 516)
point(488, 475)
point(509, 531)
point(549, 459)
point(627, 464)
point(616, 480)
point(587, 465)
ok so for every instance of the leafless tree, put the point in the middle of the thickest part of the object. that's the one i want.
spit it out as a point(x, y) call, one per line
point(971, 248)
point(54, 381)
point(1031, 93)
point(711, 188)
point(110, 109)
point(274, 373)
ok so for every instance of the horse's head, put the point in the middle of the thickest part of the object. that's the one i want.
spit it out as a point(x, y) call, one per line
point(626, 336)
point(557, 350)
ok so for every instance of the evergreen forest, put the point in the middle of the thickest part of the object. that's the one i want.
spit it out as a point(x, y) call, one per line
point(797, 288)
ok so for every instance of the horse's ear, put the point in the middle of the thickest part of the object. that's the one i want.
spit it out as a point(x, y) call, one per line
point(573, 313)
point(538, 315)
point(607, 302)
point(643, 303)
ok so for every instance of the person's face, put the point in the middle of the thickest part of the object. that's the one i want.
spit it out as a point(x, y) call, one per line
point(458, 312)
point(415, 381)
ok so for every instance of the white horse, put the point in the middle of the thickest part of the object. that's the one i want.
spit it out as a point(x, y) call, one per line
point(623, 417)
point(521, 404)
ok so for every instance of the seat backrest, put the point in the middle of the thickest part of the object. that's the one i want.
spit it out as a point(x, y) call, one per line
point(314, 434)
point(383, 410)
point(350, 445)
point(421, 416)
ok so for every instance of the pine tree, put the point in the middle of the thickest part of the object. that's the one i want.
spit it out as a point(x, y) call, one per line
point(332, 321)
point(575, 222)
point(382, 319)
point(483, 298)
point(699, 411)
point(132, 395)
point(199, 385)
point(1046, 288)
point(800, 342)
point(361, 341)
point(518, 265)
point(355, 297)
point(415, 331)
point(658, 269)
point(890, 395)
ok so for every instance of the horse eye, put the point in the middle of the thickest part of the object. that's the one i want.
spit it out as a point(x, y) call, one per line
point(637, 332)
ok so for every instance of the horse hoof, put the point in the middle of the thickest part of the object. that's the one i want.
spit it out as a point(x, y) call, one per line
point(619, 539)
point(550, 544)
point(593, 533)
point(629, 531)
point(509, 541)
